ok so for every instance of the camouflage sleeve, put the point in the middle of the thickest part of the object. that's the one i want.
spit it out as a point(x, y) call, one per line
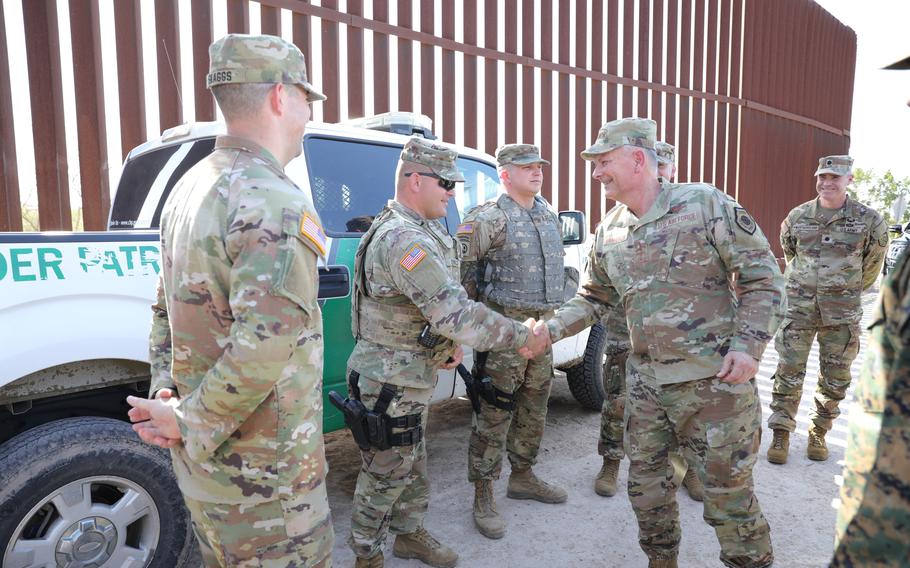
point(874, 255)
point(594, 300)
point(273, 286)
point(787, 240)
point(160, 344)
point(441, 299)
point(760, 286)
point(476, 236)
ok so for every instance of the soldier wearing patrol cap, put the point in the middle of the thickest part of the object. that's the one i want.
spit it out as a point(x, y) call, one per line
point(236, 343)
point(610, 443)
point(875, 501)
point(409, 315)
point(834, 247)
point(512, 260)
point(668, 253)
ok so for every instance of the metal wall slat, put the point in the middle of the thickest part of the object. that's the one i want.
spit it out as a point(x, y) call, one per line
point(657, 69)
point(597, 45)
point(670, 99)
point(405, 60)
point(85, 30)
point(469, 29)
point(302, 36)
point(562, 103)
point(203, 30)
point(736, 47)
point(612, 58)
point(644, 44)
point(167, 44)
point(581, 103)
point(427, 62)
point(448, 74)
point(708, 174)
point(46, 94)
point(683, 150)
point(270, 19)
point(546, 93)
point(238, 16)
point(491, 77)
point(628, 61)
point(381, 96)
point(723, 78)
point(527, 72)
point(10, 208)
point(331, 62)
point(354, 78)
point(697, 146)
point(131, 85)
point(510, 75)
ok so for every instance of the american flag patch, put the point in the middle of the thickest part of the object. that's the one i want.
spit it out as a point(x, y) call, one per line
point(413, 258)
point(465, 229)
point(310, 228)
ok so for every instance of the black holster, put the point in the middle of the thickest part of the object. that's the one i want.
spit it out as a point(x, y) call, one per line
point(483, 388)
point(373, 428)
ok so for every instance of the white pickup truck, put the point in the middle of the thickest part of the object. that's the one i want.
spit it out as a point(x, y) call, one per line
point(77, 487)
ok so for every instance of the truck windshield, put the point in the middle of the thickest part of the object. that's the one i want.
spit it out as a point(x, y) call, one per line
point(351, 181)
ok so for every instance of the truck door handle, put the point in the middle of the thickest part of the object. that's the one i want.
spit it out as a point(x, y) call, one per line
point(334, 282)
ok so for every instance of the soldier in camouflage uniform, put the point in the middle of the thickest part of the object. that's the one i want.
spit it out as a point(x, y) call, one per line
point(875, 497)
point(668, 253)
point(617, 352)
point(236, 341)
point(512, 260)
point(834, 247)
point(406, 285)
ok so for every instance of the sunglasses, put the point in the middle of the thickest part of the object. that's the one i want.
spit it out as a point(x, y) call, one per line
point(444, 183)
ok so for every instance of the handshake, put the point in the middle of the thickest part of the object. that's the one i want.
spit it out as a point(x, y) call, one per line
point(538, 339)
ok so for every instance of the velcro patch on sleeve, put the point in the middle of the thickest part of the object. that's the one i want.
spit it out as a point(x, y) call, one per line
point(413, 257)
point(744, 220)
point(465, 229)
point(312, 231)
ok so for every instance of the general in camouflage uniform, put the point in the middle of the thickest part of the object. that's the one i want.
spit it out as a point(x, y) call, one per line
point(668, 254)
point(834, 247)
point(875, 497)
point(236, 341)
point(512, 260)
point(406, 284)
point(616, 353)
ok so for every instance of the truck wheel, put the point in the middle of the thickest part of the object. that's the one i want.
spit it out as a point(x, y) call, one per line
point(586, 378)
point(88, 492)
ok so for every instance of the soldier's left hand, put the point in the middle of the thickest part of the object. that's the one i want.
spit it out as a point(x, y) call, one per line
point(155, 420)
point(738, 368)
point(454, 360)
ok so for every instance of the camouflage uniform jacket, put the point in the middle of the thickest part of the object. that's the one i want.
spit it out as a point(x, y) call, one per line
point(830, 264)
point(513, 256)
point(672, 270)
point(237, 330)
point(408, 262)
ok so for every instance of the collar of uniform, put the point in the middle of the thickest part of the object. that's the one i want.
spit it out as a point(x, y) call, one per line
point(247, 145)
point(658, 209)
point(406, 211)
point(839, 214)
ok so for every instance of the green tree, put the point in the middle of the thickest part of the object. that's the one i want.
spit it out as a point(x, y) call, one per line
point(881, 192)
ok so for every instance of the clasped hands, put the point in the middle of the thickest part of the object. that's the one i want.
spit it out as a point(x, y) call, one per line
point(155, 420)
point(538, 339)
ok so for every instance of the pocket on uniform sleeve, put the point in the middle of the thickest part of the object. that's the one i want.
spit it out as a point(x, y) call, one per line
point(297, 278)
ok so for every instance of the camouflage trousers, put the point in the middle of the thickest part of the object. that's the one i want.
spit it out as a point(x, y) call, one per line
point(718, 428)
point(273, 534)
point(393, 491)
point(519, 432)
point(838, 346)
point(612, 414)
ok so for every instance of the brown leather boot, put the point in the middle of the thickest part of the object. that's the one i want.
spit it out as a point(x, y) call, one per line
point(662, 563)
point(375, 561)
point(523, 484)
point(780, 447)
point(486, 517)
point(817, 450)
point(605, 484)
point(421, 545)
point(693, 485)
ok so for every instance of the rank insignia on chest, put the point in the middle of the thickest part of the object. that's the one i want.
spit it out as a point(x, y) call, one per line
point(413, 258)
point(312, 231)
point(744, 221)
point(465, 229)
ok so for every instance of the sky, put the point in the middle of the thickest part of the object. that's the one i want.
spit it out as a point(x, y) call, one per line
point(881, 117)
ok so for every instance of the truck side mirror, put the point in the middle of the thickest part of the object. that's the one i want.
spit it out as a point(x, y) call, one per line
point(573, 227)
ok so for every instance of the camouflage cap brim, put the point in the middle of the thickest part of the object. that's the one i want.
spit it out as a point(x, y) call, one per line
point(598, 149)
point(312, 94)
point(664, 161)
point(452, 174)
point(838, 171)
point(523, 161)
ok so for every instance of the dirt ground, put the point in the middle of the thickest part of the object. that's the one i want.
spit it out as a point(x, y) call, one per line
point(799, 499)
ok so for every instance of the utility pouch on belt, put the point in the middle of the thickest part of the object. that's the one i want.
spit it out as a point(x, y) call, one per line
point(429, 339)
point(484, 388)
point(373, 428)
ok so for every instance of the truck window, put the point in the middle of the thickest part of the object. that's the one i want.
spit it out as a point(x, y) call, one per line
point(352, 180)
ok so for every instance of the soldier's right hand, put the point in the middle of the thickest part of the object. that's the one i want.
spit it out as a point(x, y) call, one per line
point(538, 339)
point(155, 420)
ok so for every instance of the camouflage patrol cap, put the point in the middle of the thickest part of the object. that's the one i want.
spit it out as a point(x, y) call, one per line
point(438, 158)
point(666, 153)
point(641, 132)
point(241, 58)
point(837, 165)
point(519, 154)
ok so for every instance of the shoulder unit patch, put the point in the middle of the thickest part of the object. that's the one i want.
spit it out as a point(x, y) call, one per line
point(744, 220)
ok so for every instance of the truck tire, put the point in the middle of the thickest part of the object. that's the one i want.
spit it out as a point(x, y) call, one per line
point(586, 378)
point(89, 492)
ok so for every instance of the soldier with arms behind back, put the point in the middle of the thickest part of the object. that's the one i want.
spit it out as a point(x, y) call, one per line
point(835, 247)
point(236, 342)
point(512, 260)
point(409, 313)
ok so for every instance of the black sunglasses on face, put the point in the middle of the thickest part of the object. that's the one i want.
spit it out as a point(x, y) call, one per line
point(444, 183)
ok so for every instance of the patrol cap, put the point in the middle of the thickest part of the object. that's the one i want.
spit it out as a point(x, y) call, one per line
point(641, 132)
point(519, 154)
point(666, 153)
point(242, 58)
point(837, 165)
point(439, 159)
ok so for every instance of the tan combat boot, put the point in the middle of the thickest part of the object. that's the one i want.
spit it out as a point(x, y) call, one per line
point(662, 563)
point(693, 485)
point(421, 545)
point(523, 484)
point(605, 484)
point(375, 561)
point(486, 517)
point(780, 446)
point(817, 450)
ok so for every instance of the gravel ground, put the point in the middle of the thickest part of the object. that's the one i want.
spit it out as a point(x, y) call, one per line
point(799, 498)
